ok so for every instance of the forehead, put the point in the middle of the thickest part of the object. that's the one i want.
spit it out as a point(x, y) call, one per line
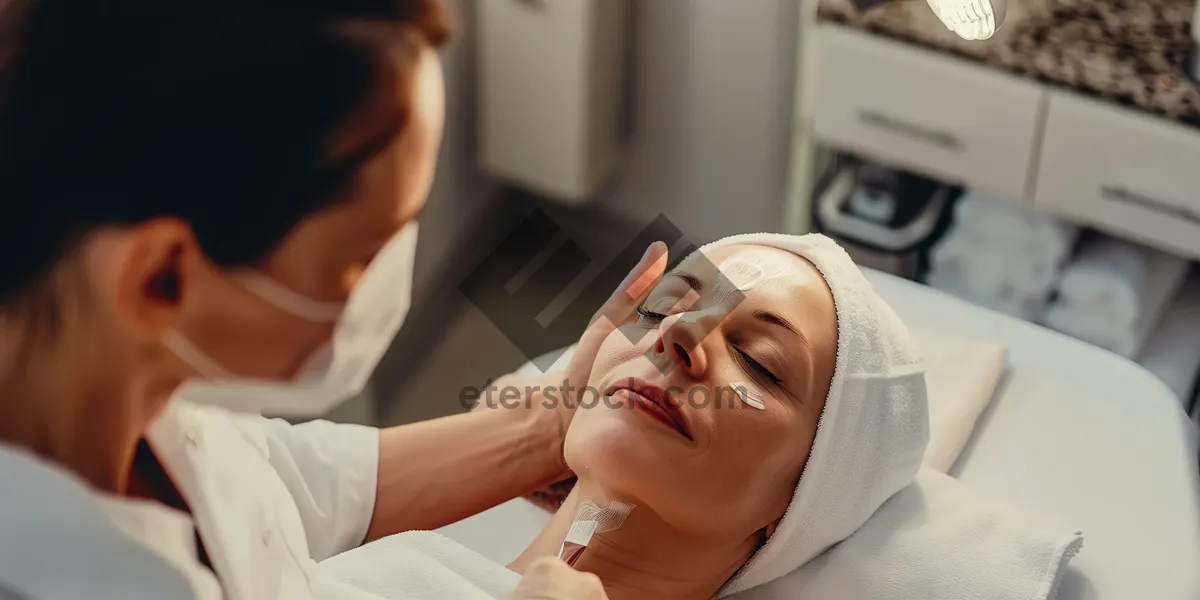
point(785, 282)
point(750, 265)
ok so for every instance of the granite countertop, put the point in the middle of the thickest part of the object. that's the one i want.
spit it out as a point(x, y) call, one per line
point(1133, 52)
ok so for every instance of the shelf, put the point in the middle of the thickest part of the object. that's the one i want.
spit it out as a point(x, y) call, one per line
point(1129, 52)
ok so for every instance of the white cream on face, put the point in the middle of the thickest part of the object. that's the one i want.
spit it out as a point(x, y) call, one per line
point(750, 396)
point(749, 269)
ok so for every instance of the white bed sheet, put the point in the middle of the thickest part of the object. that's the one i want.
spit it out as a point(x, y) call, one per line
point(1075, 434)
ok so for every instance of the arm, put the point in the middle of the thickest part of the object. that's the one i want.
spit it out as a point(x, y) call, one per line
point(437, 472)
point(434, 473)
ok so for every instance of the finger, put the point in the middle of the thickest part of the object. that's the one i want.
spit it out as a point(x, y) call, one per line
point(635, 288)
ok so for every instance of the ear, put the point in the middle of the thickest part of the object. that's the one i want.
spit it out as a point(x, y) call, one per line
point(146, 269)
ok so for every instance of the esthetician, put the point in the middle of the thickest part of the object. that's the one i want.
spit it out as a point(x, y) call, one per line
point(215, 203)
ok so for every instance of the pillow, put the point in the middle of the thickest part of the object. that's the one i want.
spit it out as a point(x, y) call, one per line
point(936, 540)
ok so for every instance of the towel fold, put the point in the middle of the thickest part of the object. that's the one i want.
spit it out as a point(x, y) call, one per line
point(936, 540)
point(1173, 351)
point(1115, 293)
point(1014, 225)
point(961, 376)
point(420, 565)
point(1001, 255)
point(1120, 280)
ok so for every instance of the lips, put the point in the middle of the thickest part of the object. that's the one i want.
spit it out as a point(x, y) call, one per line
point(654, 402)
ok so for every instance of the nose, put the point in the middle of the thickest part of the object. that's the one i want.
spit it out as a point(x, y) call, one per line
point(680, 342)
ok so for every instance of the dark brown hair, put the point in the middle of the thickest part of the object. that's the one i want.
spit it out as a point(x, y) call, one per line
point(217, 112)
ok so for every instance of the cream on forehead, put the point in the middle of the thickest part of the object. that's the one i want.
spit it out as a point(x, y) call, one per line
point(749, 269)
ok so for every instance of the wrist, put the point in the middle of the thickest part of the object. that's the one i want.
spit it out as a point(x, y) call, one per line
point(546, 424)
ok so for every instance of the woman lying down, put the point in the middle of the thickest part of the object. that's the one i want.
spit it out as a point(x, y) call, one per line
point(763, 406)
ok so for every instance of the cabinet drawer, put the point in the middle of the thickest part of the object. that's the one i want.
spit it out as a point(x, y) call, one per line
point(1123, 172)
point(926, 112)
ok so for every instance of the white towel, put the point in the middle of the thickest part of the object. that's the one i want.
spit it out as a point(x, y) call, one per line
point(1014, 226)
point(420, 565)
point(1001, 255)
point(936, 540)
point(1121, 281)
point(874, 428)
point(1173, 351)
point(1094, 300)
point(962, 376)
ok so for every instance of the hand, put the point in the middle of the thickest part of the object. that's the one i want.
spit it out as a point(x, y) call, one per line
point(550, 578)
point(620, 309)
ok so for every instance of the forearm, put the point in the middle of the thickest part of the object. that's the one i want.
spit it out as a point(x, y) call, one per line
point(437, 472)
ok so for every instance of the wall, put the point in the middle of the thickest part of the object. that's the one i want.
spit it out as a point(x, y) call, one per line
point(713, 111)
point(461, 190)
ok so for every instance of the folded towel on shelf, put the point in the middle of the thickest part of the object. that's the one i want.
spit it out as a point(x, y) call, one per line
point(936, 540)
point(1015, 226)
point(988, 284)
point(1120, 279)
point(1173, 351)
point(1114, 295)
point(1001, 255)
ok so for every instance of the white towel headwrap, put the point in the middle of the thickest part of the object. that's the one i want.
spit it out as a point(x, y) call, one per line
point(873, 430)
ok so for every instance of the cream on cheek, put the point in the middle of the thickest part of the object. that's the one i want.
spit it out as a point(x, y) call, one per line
point(750, 395)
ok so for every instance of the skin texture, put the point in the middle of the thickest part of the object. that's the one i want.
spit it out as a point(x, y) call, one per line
point(704, 505)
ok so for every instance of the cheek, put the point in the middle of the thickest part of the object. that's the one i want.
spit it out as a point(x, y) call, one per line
point(752, 466)
point(618, 350)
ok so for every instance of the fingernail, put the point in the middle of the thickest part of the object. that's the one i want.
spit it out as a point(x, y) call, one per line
point(629, 277)
point(649, 251)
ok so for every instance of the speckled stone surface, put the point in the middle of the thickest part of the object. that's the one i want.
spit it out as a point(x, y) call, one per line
point(1133, 52)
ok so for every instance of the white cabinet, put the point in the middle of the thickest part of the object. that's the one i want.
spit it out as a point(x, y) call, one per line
point(1130, 174)
point(550, 90)
point(925, 111)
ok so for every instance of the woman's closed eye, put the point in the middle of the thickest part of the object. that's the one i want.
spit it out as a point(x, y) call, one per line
point(756, 368)
point(649, 317)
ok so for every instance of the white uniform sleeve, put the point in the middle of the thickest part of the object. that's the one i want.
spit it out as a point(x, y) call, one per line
point(332, 472)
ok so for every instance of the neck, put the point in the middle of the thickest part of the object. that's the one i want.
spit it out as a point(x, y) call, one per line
point(66, 413)
point(648, 558)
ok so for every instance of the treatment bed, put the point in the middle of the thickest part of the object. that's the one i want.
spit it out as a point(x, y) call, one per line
point(1073, 433)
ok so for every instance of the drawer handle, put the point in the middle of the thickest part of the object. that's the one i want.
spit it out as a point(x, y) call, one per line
point(1123, 195)
point(920, 132)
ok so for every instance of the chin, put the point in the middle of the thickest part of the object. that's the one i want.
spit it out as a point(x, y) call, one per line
point(606, 446)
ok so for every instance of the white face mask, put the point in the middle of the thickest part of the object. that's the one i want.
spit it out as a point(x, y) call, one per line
point(338, 370)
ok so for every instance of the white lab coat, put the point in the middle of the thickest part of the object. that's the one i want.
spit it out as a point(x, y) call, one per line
point(269, 499)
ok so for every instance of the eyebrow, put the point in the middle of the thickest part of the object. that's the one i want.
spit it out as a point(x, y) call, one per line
point(774, 319)
point(692, 281)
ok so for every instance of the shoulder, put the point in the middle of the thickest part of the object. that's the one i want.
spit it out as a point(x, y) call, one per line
point(57, 541)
